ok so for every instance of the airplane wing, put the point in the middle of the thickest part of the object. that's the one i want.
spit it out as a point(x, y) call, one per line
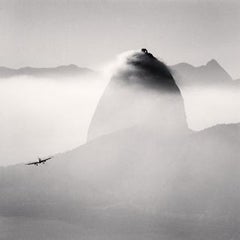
point(46, 159)
point(32, 163)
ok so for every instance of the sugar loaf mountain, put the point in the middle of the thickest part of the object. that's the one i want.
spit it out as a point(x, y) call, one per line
point(142, 174)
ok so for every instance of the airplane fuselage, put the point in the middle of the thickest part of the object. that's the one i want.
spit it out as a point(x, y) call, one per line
point(40, 161)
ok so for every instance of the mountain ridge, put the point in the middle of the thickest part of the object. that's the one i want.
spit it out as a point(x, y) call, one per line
point(107, 182)
point(61, 70)
point(211, 73)
point(6, 72)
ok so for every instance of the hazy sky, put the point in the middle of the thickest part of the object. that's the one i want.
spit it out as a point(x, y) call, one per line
point(87, 33)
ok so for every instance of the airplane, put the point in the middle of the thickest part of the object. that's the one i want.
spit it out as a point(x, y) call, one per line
point(40, 161)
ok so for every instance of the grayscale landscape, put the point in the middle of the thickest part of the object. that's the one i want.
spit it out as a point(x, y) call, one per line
point(119, 120)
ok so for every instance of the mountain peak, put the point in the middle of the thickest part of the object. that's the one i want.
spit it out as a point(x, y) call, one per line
point(213, 63)
point(142, 68)
point(216, 70)
point(142, 92)
point(211, 73)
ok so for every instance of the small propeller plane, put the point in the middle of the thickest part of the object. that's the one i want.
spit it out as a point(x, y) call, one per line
point(40, 161)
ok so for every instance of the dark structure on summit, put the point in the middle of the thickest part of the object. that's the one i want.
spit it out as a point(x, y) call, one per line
point(144, 50)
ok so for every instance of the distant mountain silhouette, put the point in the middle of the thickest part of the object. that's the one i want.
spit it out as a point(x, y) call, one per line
point(211, 89)
point(211, 74)
point(60, 71)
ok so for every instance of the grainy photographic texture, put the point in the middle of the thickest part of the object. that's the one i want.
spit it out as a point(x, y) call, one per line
point(120, 120)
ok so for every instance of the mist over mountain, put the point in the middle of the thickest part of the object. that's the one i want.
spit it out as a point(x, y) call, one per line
point(56, 72)
point(209, 87)
point(42, 115)
point(141, 92)
point(211, 96)
point(146, 179)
